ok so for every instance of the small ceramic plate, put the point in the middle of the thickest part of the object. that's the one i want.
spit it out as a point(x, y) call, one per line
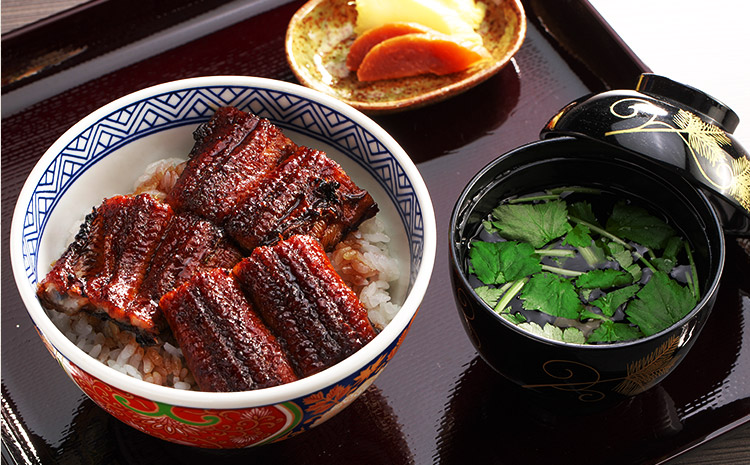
point(320, 34)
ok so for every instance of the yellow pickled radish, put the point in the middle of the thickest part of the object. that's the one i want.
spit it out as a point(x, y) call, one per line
point(456, 18)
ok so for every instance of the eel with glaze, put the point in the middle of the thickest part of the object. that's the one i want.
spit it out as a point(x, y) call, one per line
point(233, 151)
point(317, 318)
point(307, 194)
point(102, 270)
point(225, 343)
point(129, 252)
point(189, 244)
point(245, 182)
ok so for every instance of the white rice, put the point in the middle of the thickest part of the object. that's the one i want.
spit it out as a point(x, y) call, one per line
point(362, 259)
point(105, 341)
point(364, 262)
point(159, 177)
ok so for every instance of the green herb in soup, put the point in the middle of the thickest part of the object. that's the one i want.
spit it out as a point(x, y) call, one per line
point(583, 266)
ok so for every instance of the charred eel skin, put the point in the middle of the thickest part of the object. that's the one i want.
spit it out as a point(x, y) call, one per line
point(103, 269)
point(225, 343)
point(129, 252)
point(307, 194)
point(189, 244)
point(317, 318)
point(233, 152)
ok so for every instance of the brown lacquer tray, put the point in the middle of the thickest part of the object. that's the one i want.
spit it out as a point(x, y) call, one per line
point(437, 402)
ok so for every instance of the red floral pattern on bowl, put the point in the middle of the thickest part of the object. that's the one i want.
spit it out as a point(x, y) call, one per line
point(226, 428)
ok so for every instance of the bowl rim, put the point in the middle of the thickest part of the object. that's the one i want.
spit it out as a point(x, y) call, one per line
point(242, 399)
point(453, 258)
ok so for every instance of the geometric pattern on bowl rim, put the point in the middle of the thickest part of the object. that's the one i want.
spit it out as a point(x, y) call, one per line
point(197, 104)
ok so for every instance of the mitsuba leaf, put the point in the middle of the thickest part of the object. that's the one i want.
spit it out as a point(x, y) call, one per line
point(603, 279)
point(515, 318)
point(588, 314)
point(661, 303)
point(609, 331)
point(621, 255)
point(550, 331)
point(500, 262)
point(638, 225)
point(485, 261)
point(663, 264)
point(573, 336)
point(624, 258)
point(610, 302)
point(536, 224)
point(593, 254)
point(672, 248)
point(490, 295)
point(579, 236)
point(583, 211)
point(551, 294)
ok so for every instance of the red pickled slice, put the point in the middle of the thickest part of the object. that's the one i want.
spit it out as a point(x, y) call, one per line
point(415, 54)
point(372, 37)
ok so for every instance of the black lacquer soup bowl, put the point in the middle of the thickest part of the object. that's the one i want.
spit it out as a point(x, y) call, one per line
point(584, 373)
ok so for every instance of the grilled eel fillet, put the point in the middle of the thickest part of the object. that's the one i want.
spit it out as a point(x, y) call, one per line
point(317, 318)
point(233, 151)
point(307, 194)
point(246, 176)
point(189, 244)
point(101, 271)
point(127, 253)
point(224, 341)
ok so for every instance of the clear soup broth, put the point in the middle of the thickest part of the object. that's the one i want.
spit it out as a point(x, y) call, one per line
point(582, 265)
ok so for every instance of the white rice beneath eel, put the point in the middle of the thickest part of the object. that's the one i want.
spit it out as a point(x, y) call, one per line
point(362, 259)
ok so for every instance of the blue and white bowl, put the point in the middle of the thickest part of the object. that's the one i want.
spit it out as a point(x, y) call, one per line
point(104, 154)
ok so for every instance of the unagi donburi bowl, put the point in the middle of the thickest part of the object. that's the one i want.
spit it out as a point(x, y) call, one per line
point(562, 373)
point(104, 153)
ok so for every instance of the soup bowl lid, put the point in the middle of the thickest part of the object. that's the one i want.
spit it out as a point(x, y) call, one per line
point(681, 127)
